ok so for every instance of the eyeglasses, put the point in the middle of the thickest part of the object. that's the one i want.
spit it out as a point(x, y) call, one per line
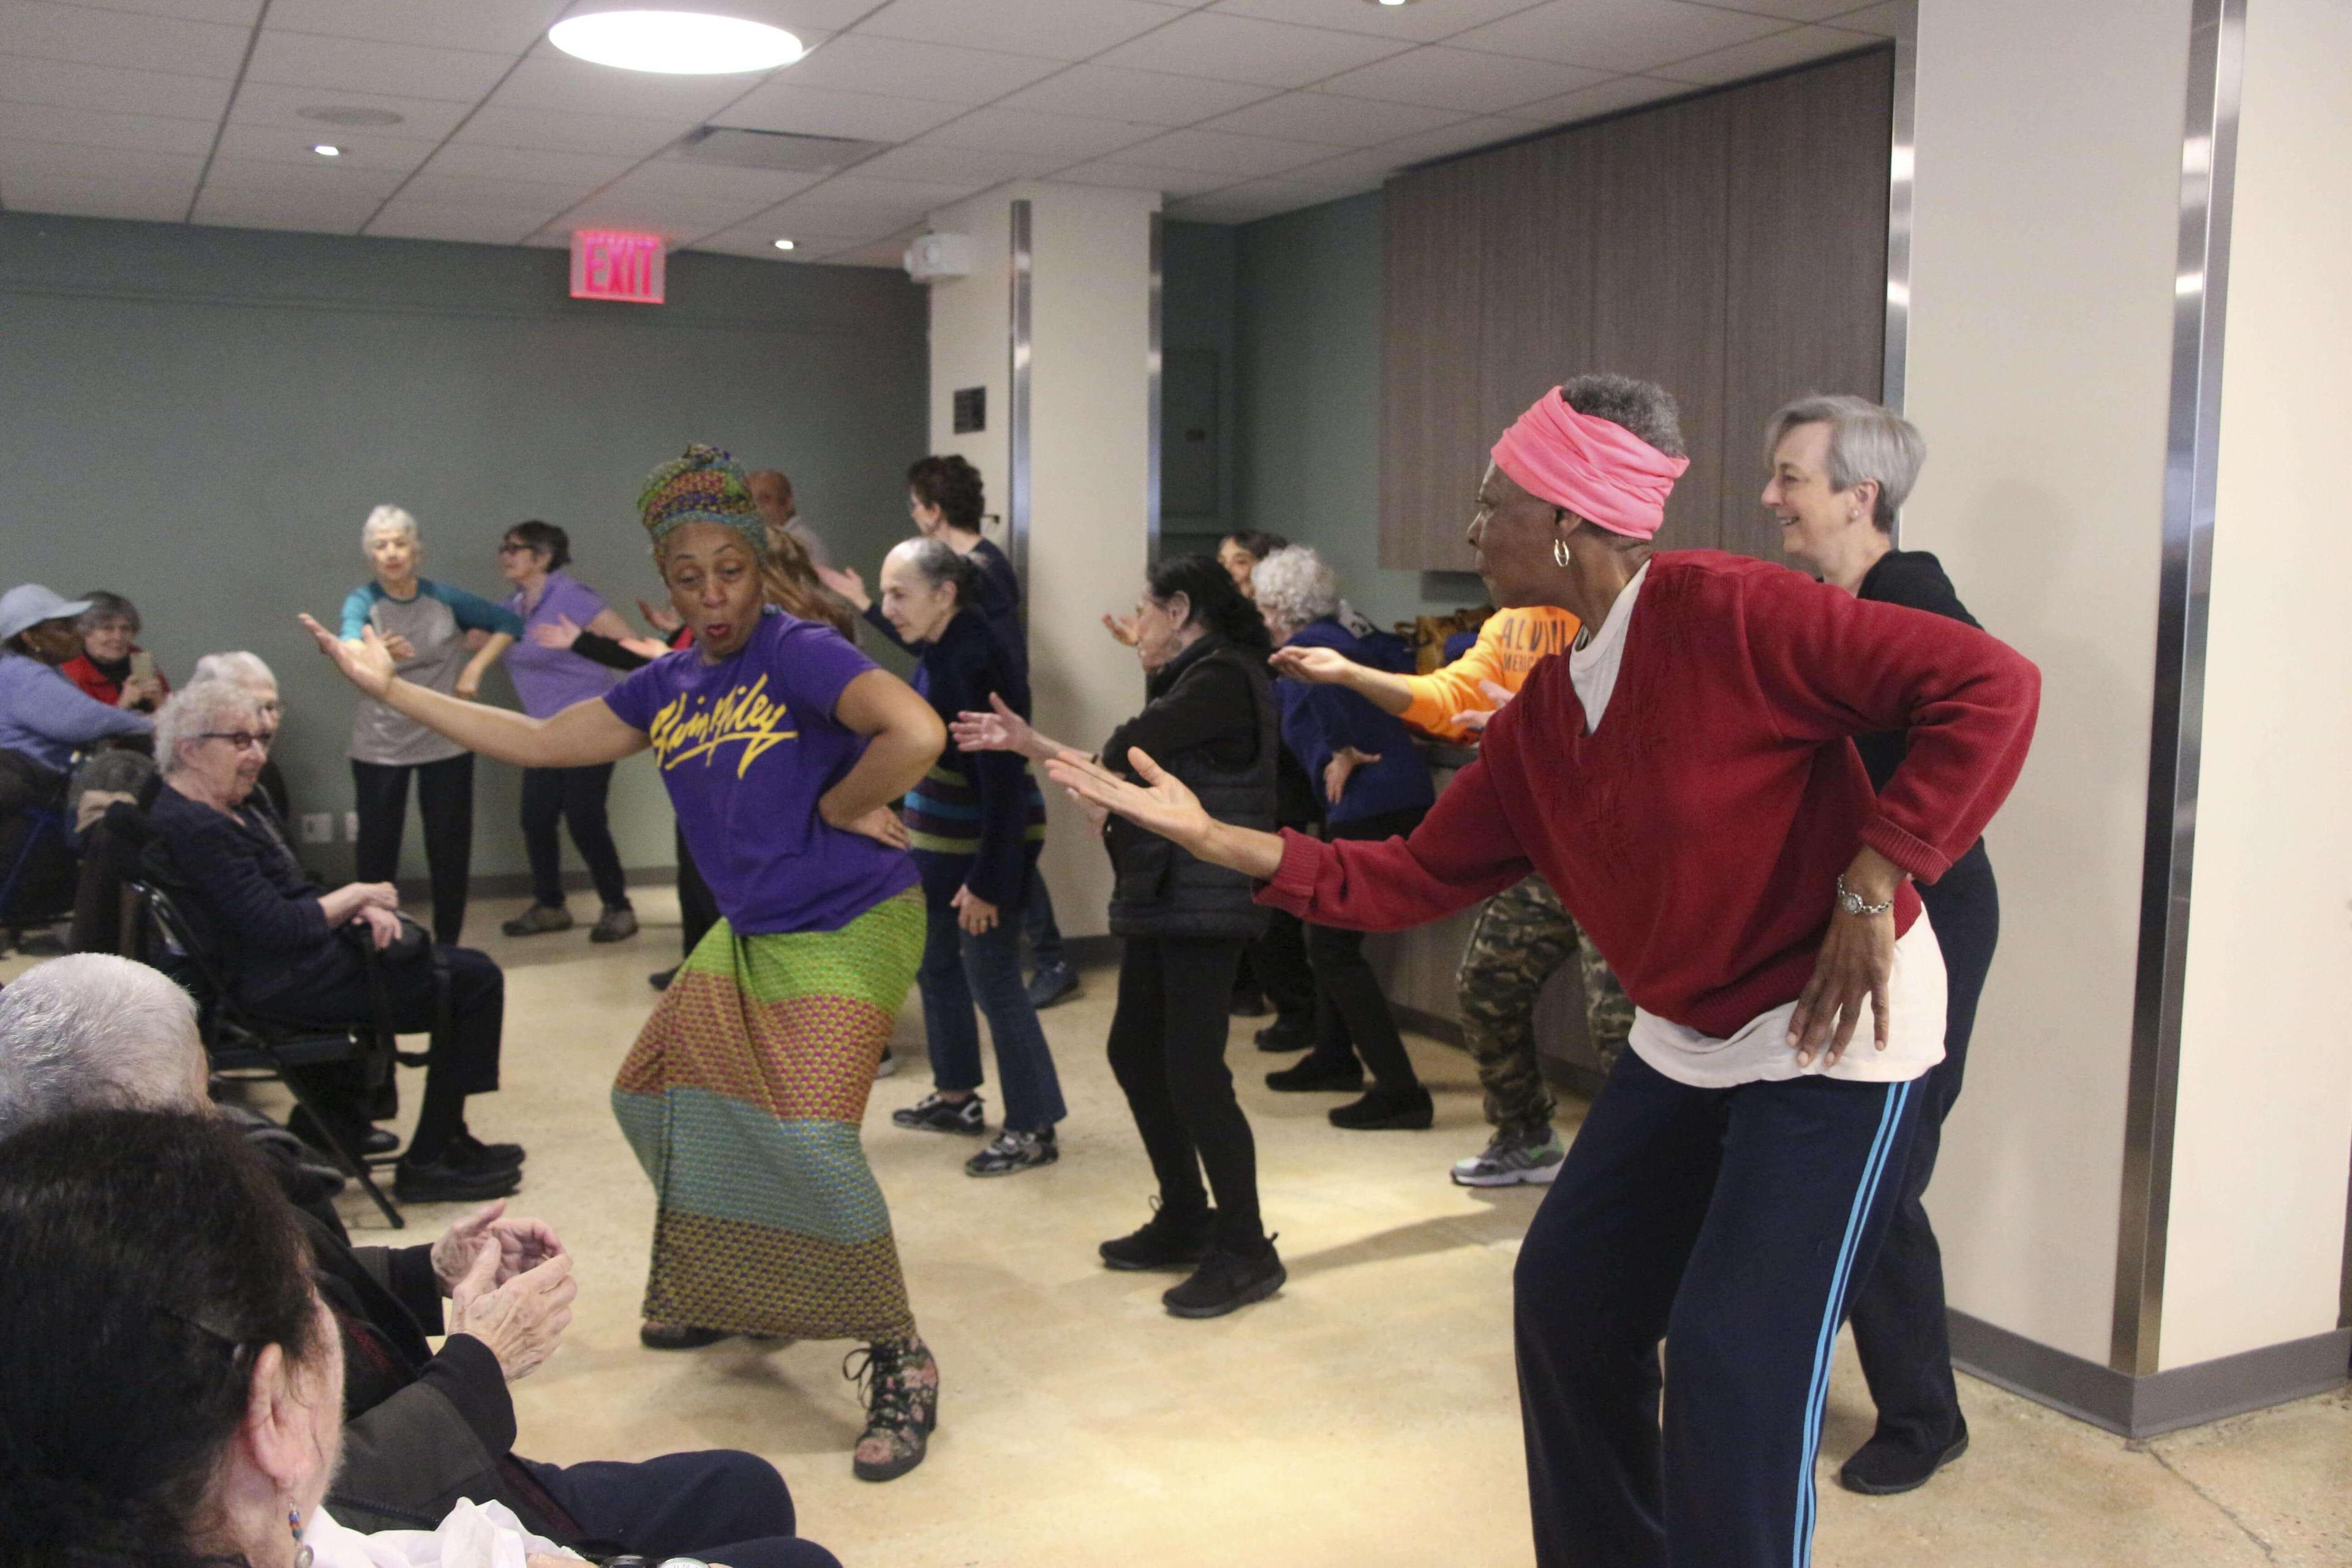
point(238, 740)
point(512, 548)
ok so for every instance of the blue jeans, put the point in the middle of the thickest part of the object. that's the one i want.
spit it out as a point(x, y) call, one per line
point(959, 968)
point(1044, 935)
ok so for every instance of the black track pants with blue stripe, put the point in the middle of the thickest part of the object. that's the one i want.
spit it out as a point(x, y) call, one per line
point(1732, 1224)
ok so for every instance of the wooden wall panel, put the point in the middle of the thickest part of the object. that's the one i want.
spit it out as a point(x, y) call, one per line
point(1731, 247)
point(1807, 286)
point(1429, 403)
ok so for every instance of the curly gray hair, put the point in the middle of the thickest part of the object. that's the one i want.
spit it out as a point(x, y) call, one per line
point(199, 709)
point(237, 669)
point(389, 520)
point(1295, 586)
point(1645, 407)
point(1867, 441)
point(92, 1030)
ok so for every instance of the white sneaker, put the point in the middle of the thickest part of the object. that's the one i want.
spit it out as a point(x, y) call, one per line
point(1513, 1159)
point(887, 1065)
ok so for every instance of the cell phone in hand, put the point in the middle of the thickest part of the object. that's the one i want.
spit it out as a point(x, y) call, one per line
point(142, 665)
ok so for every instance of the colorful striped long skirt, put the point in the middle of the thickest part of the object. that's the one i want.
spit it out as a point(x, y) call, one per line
point(743, 1099)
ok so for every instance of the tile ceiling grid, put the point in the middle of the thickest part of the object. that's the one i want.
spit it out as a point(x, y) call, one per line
point(1231, 109)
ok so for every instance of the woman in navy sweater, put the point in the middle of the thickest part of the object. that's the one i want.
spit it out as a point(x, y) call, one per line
point(976, 823)
point(1374, 785)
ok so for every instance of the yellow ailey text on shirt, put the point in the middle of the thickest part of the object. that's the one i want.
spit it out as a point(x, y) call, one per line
point(746, 714)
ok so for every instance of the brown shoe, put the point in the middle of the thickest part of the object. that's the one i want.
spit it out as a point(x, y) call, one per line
point(539, 919)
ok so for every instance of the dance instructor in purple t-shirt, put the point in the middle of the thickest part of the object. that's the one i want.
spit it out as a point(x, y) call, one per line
point(782, 747)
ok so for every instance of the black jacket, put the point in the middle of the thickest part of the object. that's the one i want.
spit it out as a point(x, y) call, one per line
point(1915, 580)
point(1212, 721)
point(255, 906)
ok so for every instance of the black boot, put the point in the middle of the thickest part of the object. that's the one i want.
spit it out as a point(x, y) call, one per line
point(1164, 1242)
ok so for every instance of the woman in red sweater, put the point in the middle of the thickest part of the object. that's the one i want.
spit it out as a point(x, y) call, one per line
point(1685, 777)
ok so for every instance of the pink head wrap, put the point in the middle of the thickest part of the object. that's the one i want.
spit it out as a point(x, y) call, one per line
point(1595, 468)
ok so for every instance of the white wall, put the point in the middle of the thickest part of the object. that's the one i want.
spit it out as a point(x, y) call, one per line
point(2264, 1128)
point(1089, 455)
point(2047, 196)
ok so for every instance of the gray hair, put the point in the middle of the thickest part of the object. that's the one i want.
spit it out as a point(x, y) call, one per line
point(1645, 407)
point(197, 708)
point(1295, 586)
point(93, 1031)
point(104, 607)
point(238, 668)
point(1867, 441)
point(389, 520)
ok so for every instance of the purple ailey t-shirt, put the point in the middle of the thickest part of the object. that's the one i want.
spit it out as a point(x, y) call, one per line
point(747, 748)
point(549, 680)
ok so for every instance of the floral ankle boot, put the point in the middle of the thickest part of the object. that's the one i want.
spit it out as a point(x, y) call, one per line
point(902, 1407)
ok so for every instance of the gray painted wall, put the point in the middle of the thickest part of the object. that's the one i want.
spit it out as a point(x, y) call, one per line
point(201, 418)
point(1308, 309)
point(1197, 312)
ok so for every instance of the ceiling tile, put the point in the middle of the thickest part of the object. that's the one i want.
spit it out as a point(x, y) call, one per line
point(1883, 20)
point(1241, 48)
point(262, 209)
point(549, 81)
point(267, 103)
point(789, 104)
point(1141, 177)
point(755, 243)
point(321, 182)
point(617, 136)
point(358, 65)
point(23, 79)
point(1616, 35)
point(53, 160)
point(1463, 137)
point(98, 128)
point(406, 219)
point(813, 226)
point(152, 202)
point(480, 160)
point(362, 149)
point(1798, 10)
point(1154, 98)
point(1056, 29)
point(900, 67)
point(1776, 52)
point(1234, 157)
point(1066, 136)
point(1327, 117)
point(949, 166)
point(1440, 76)
point(546, 197)
point(1413, 23)
point(228, 13)
point(1366, 168)
point(1602, 98)
point(861, 192)
point(500, 26)
point(748, 189)
point(676, 218)
point(91, 36)
point(1225, 207)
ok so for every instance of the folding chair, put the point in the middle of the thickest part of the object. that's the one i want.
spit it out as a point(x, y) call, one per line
point(43, 826)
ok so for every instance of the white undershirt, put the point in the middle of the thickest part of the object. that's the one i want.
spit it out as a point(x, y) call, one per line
point(474, 1535)
point(1759, 1051)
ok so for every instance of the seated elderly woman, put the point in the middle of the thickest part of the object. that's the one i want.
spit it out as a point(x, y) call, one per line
point(1374, 785)
point(248, 670)
point(112, 668)
point(171, 1380)
point(422, 1429)
point(292, 959)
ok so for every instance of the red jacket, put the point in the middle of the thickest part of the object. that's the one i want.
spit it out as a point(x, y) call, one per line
point(96, 683)
point(1698, 836)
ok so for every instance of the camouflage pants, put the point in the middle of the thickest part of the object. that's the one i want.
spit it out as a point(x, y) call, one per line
point(1522, 936)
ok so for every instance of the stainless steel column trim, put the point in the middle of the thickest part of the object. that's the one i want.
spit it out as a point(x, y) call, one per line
point(2209, 155)
point(1016, 419)
point(1151, 366)
point(1903, 141)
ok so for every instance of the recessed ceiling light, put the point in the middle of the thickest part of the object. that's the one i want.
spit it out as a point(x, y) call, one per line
point(339, 114)
point(677, 43)
point(783, 245)
point(1393, 1)
point(327, 149)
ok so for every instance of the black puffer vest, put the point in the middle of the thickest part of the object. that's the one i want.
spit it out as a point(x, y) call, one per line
point(1161, 892)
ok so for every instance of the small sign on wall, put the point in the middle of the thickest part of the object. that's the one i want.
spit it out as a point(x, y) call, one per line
point(612, 264)
point(970, 410)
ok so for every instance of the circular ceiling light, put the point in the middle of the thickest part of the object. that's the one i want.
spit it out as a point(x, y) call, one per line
point(336, 114)
point(675, 43)
point(784, 245)
point(327, 149)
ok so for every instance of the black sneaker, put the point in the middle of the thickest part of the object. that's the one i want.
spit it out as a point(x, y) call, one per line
point(443, 1182)
point(1286, 1034)
point(678, 1336)
point(615, 925)
point(1226, 1281)
point(1009, 1151)
point(470, 1151)
point(539, 919)
point(1055, 982)
point(1162, 1243)
point(932, 1113)
point(660, 978)
point(1882, 1468)
point(1386, 1109)
point(1312, 1077)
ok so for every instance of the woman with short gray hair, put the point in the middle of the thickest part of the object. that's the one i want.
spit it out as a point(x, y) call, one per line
point(1840, 470)
point(247, 672)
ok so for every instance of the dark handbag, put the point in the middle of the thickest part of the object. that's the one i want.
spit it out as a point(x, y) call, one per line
point(413, 943)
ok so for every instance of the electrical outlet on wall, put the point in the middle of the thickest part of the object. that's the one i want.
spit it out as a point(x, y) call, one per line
point(351, 825)
point(318, 827)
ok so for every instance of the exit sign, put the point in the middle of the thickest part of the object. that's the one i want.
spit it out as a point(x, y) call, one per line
point(611, 264)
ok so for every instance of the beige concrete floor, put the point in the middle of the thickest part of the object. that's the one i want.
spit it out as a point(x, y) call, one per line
point(1364, 1417)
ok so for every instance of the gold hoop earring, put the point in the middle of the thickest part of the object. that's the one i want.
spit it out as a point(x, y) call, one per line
point(1559, 554)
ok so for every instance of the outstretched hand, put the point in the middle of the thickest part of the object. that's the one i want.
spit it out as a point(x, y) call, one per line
point(1161, 802)
point(366, 664)
point(664, 620)
point(1323, 666)
point(559, 633)
point(1478, 718)
point(1340, 768)
point(999, 729)
point(1122, 629)
point(845, 581)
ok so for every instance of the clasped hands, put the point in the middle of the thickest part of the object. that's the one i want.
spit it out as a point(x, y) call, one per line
point(510, 1285)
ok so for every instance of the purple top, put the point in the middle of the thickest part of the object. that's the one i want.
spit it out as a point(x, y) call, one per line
point(747, 748)
point(549, 680)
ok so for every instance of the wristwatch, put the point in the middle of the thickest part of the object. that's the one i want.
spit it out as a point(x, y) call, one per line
point(1851, 901)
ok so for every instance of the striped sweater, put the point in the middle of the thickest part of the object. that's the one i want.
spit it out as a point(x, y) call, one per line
point(977, 813)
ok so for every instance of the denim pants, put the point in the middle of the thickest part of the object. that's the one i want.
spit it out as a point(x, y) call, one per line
point(959, 969)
